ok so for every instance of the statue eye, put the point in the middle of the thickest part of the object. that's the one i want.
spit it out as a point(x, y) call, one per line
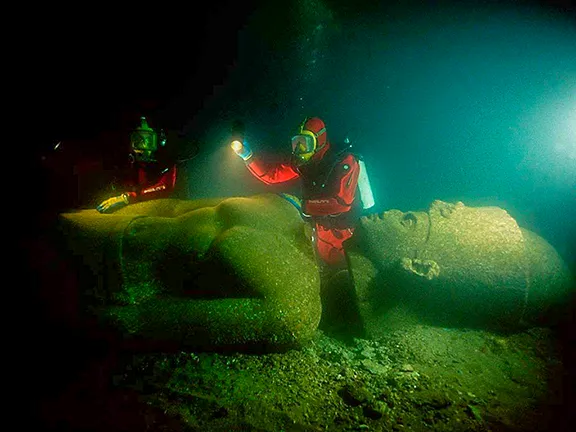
point(408, 220)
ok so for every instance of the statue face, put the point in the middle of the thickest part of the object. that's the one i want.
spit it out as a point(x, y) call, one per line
point(456, 264)
point(446, 238)
point(394, 234)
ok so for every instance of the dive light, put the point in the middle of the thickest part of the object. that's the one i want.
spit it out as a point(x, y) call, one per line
point(242, 149)
point(236, 146)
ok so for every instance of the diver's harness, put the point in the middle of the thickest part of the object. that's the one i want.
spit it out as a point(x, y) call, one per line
point(364, 187)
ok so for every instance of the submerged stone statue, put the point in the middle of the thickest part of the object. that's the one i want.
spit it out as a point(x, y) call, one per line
point(235, 272)
point(241, 272)
point(454, 266)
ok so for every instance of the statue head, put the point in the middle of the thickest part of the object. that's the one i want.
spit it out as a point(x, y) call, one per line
point(469, 265)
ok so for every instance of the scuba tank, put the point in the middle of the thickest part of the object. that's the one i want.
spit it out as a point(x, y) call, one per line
point(364, 187)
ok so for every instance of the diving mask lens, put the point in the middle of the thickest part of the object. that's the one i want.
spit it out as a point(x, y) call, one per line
point(144, 140)
point(302, 144)
point(144, 145)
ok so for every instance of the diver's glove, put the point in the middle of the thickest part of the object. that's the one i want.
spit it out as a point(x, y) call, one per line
point(112, 204)
point(242, 149)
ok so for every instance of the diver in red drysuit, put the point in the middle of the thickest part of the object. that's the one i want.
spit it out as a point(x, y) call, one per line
point(329, 186)
point(150, 179)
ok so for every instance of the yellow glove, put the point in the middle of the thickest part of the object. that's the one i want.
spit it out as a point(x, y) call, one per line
point(112, 204)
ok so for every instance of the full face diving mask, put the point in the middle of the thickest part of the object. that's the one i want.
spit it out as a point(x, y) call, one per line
point(144, 142)
point(303, 147)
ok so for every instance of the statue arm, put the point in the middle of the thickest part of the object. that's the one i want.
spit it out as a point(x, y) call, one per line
point(205, 323)
point(276, 305)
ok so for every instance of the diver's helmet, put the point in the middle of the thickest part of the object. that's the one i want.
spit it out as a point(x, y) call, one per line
point(144, 142)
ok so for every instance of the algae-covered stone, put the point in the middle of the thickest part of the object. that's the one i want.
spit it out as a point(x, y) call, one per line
point(454, 265)
point(224, 272)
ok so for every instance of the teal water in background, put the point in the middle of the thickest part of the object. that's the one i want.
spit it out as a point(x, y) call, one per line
point(460, 101)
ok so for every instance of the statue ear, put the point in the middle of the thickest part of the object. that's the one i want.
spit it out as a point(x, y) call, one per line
point(428, 269)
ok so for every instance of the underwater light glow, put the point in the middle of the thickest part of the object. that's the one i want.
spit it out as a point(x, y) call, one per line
point(572, 134)
point(236, 145)
point(548, 138)
point(565, 145)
